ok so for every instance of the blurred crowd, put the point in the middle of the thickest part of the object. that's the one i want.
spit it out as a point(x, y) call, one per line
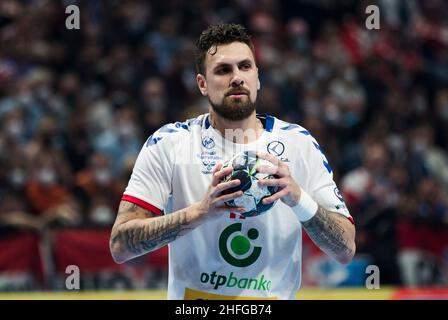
point(77, 105)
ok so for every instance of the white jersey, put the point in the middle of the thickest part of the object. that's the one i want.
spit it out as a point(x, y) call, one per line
point(230, 257)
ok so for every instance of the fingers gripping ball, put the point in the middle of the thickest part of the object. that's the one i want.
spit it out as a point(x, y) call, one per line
point(244, 166)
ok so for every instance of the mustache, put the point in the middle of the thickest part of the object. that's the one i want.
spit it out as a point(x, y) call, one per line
point(237, 91)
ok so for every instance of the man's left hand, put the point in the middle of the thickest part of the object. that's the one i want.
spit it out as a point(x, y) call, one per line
point(288, 190)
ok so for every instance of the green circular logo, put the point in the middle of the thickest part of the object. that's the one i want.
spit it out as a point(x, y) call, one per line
point(240, 245)
point(235, 247)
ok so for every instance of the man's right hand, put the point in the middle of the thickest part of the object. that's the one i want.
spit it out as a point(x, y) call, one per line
point(213, 203)
point(137, 231)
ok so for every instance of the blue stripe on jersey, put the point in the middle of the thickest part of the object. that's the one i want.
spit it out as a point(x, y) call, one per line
point(318, 147)
point(166, 129)
point(327, 166)
point(269, 123)
point(290, 127)
point(207, 122)
point(194, 122)
point(171, 128)
point(152, 141)
point(182, 125)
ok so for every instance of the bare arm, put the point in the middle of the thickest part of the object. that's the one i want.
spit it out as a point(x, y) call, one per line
point(330, 231)
point(333, 233)
point(138, 231)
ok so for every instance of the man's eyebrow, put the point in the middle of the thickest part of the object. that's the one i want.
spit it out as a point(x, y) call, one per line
point(221, 64)
point(245, 61)
point(225, 64)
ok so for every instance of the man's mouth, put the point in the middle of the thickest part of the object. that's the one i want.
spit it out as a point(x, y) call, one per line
point(237, 94)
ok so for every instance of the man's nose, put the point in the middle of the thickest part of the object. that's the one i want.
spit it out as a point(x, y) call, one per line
point(237, 81)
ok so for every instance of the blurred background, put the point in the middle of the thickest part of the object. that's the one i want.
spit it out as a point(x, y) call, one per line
point(77, 105)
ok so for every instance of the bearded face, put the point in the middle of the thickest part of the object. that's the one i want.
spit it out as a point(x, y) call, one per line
point(230, 81)
point(235, 106)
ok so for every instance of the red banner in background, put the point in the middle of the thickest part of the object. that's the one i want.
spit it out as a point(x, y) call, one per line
point(20, 255)
point(22, 262)
point(89, 250)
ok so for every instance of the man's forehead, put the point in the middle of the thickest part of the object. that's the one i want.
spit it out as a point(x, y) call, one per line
point(229, 53)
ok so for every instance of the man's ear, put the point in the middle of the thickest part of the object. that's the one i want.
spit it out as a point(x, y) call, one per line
point(258, 84)
point(202, 84)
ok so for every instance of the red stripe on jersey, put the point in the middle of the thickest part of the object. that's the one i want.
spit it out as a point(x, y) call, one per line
point(351, 220)
point(232, 215)
point(142, 204)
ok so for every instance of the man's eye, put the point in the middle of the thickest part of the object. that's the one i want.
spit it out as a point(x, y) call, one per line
point(222, 71)
point(246, 66)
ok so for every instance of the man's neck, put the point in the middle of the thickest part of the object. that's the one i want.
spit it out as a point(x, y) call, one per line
point(243, 131)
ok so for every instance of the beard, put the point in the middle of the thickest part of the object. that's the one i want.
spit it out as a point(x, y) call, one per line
point(234, 109)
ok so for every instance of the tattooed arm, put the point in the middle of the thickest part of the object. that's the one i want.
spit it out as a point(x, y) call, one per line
point(138, 231)
point(333, 233)
point(330, 231)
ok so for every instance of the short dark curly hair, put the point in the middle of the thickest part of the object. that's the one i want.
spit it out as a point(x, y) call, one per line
point(215, 35)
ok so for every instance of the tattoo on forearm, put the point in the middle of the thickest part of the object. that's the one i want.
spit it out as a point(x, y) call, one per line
point(129, 207)
point(326, 230)
point(155, 233)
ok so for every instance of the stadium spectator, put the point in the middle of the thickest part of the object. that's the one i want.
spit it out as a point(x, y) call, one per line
point(48, 196)
point(422, 235)
point(98, 190)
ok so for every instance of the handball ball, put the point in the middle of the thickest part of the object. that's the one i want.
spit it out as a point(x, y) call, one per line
point(244, 166)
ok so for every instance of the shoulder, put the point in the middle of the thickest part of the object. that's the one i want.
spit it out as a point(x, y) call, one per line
point(294, 132)
point(302, 142)
point(175, 132)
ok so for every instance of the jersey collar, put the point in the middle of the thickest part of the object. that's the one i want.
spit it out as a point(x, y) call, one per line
point(266, 119)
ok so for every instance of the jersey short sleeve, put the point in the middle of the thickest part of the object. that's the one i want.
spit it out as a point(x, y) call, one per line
point(150, 183)
point(320, 183)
